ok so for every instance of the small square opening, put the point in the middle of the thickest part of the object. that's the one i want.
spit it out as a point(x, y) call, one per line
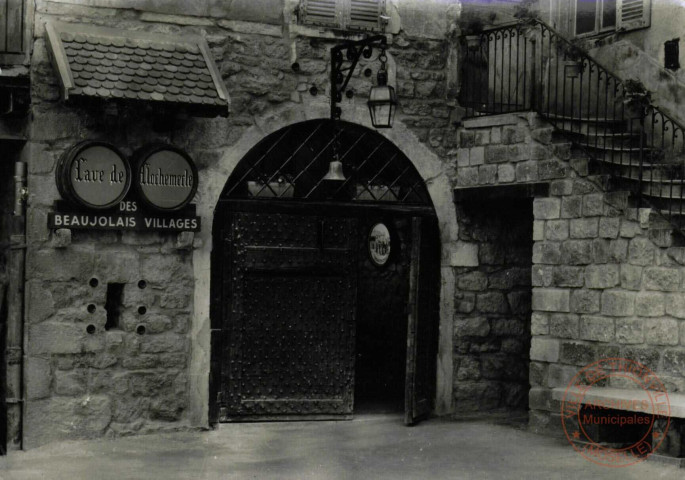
point(113, 305)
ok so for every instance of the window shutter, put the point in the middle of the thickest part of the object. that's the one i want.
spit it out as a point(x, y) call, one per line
point(633, 14)
point(365, 14)
point(343, 14)
point(321, 12)
point(12, 26)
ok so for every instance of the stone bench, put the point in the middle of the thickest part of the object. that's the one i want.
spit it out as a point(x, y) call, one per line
point(612, 395)
point(672, 451)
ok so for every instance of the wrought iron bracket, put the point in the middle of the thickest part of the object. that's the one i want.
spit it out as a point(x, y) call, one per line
point(340, 75)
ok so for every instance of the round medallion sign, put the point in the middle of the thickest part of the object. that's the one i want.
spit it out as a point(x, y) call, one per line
point(94, 175)
point(166, 177)
point(379, 244)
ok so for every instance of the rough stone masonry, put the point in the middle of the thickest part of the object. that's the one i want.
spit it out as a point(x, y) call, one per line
point(607, 281)
point(149, 372)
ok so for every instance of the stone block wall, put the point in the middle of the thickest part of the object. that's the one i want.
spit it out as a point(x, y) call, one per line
point(507, 150)
point(84, 381)
point(606, 280)
point(492, 318)
point(603, 288)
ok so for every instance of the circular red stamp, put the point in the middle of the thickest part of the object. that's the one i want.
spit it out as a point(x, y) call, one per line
point(615, 412)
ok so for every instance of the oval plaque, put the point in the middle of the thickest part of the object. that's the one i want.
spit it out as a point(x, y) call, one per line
point(94, 175)
point(379, 244)
point(166, 177)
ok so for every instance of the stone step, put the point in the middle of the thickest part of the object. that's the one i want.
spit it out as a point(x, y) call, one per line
point(614, 142)
point(587, 126)
point(589, 119)
point(623, 155)
point(631, 173)
point(670, 208)
point(609, 140)
point(663, 188)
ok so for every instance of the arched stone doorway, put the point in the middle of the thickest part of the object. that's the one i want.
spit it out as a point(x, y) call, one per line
point(305, 322)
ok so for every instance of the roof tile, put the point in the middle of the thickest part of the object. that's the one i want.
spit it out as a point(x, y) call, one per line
point(137, 65)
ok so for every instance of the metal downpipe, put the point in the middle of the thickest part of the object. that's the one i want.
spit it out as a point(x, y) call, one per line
point(15, 342)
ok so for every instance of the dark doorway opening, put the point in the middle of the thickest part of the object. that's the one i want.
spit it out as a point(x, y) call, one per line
point(493, 304)
point(381, 343)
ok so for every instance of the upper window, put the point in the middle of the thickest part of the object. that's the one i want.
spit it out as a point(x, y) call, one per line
point(596, 16)
point(344, 14)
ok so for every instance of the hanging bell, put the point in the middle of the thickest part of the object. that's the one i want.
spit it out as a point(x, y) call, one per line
point(335, 171)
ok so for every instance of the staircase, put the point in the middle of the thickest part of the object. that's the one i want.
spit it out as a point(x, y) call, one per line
point(529, 66)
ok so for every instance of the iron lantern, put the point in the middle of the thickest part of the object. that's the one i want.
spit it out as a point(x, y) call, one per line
point(382, 102)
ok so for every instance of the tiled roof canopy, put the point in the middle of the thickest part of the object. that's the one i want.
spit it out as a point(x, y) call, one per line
point(117, 64)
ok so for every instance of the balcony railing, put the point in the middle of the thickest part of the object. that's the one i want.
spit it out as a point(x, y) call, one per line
point(530, 67)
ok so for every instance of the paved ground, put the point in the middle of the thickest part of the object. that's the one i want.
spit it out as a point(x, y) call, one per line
point(369, 447)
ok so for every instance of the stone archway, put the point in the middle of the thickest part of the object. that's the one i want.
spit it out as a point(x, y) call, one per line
point(212, 181)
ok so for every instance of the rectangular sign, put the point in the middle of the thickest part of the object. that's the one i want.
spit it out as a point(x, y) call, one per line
point(140, 221)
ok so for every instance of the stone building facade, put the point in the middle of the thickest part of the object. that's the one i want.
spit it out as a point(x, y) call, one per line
point(544, 266)
point(151, 372)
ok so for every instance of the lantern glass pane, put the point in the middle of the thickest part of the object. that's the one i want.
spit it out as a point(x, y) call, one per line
point(382, 105)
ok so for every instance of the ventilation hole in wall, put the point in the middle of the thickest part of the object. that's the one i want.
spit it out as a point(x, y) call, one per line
point(93, 282)
point(91, 308)
point(115, 296)
point(90, 329)
point(140, 330)
point(142, 284)
point(142, 310)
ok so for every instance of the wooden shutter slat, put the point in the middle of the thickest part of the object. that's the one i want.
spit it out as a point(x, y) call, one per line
point(364, 7)
point(364, 14)
point(320, 12)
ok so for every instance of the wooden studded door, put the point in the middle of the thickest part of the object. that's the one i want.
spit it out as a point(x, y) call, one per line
point(288, 331)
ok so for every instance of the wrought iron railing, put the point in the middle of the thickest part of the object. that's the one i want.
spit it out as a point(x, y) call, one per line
point(529, 66)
